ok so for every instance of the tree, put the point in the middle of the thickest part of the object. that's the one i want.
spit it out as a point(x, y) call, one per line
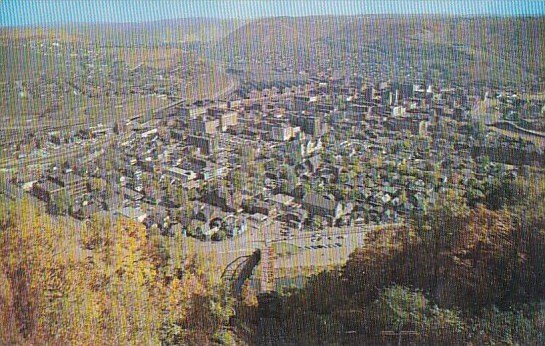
point(529, 219)
point(3, 179)
point(123, 289)
point(219, 235)
point(246, 156)
point(477, 129)
point(504, 191)
point(61, 203)
point(180, 197)
point(116, 128)
point(97, 184)
point(96, 233)
point(400, 309)
point(439, 228)
point(238, 180)
point(474, 192)
point(510, 327)
point(197, 308)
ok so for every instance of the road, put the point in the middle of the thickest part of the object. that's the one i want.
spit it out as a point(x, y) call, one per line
point(233, 84)
point(63, 154)
point(226, 251)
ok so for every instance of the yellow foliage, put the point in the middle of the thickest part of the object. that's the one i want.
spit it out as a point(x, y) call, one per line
point(56, 289)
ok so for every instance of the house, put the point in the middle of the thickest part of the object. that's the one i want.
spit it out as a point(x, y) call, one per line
point(281, 201)
point(132, 213)
point(86, 211)
point(206, 144)
point(259, 207)
point(180, 174)
point(313, 163)
point(259, 220)
point(228, 119)
point(225, 199)
point(187, 112)
point(281, 133)
point(74, 184)
point(47, 190)
point(204, 126)
point(195, 164)
point(132, 195)
point(307, 167)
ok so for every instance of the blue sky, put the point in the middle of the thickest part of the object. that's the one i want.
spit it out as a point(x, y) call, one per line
point(40, 12)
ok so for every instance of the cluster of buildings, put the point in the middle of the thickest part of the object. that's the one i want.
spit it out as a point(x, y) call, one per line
point(330, 153)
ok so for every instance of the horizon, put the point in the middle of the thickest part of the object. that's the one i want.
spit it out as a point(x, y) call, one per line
point(58, 13)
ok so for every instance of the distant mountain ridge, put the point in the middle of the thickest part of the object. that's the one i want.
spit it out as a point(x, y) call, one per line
point(474, 48)
point(167, 30)
point(489, 50)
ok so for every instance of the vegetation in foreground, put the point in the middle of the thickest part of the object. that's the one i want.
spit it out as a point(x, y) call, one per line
point(108, 284)
point(462, 275)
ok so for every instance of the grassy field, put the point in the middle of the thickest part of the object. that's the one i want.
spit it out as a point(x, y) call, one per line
point(27, 64)
point(54, 86)
point(155, 57)
point(69, 110)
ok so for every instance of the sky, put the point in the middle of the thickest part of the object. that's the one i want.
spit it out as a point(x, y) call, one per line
point(44, 12)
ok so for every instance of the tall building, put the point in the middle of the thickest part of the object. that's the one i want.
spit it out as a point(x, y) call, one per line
point(202, 125)
point(310, 125)
point(228, 119)
point(189, 112)
point(302, 103)
point(206, 144)
point(368, 93)
point(281, 133)
point(406, 91)
point(360, 112)
point(73, 183)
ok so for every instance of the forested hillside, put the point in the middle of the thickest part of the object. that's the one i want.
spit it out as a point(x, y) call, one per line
point(463, 50)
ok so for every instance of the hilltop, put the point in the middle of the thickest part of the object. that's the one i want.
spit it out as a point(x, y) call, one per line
point(468, 49)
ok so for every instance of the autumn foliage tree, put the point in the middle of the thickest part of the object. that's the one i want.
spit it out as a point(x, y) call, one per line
point(456, 275)
point(103, 285)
